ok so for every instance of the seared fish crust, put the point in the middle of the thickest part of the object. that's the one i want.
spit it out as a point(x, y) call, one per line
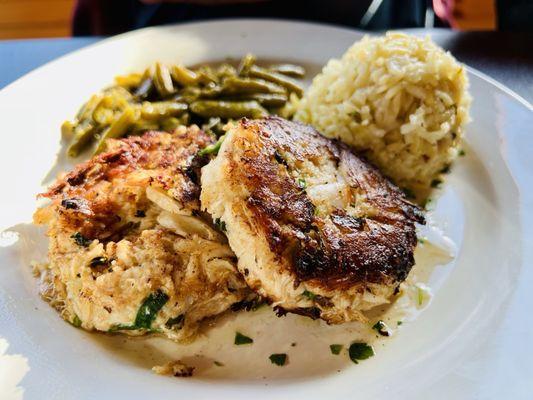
point(316, 229)
point(129, 250)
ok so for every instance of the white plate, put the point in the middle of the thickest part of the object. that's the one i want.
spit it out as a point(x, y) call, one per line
point(474, 340)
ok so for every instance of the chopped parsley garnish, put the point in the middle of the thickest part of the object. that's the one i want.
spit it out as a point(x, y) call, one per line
point(242, 339)
point(220, 225)
point(176, 322)
point(382, 328)
point(278, 359)
point(360, 351)
point(81, 240)
point(336, 348)
point(435, 183)
point(420, 296)
point(76, 321)
point(309, 295)
point(218, 363)
point(302, 184)
point(421, 241)
point(147, 312)
point(96, 261)
point(461, 153)
point(445, 170)
point(399, 323)
point(212, 148)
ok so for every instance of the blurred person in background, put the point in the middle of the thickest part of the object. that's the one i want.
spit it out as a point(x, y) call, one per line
point(106, 17)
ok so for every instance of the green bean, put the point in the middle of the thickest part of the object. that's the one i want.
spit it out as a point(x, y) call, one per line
point(107, 109)
point(206, 75)
point(225, 70)
point(188, 94)
point(83, 134)
point(169, 124)
point(141, 126)
point(163, 80)
point(184, 76)
point(166, 96)
point(116, 129)
point(160, 109)
point(228, 109)
point(212, 148)
point(268, 100)
point(67, 130)
point(280, 79)
point(295, 71)
point(144, 89)
point(87, 109)
point(246, 63)
point(236, 85)
point(129, 81)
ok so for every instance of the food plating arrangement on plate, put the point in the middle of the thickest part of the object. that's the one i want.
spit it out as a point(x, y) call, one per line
point(223, 189)
point(230, 209)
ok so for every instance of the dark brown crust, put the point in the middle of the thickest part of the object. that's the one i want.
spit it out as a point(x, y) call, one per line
point(168, 161)
point(336, 251)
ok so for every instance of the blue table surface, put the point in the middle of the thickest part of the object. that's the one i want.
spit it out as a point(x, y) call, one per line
point(507, 57)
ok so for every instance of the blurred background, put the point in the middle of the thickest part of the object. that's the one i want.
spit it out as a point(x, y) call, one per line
point(63, 18)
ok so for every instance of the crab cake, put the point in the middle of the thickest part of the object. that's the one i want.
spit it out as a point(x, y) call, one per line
point(317, 230)
point(129, 250)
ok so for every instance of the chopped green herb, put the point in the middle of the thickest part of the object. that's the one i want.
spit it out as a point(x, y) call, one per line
point(382, 328)
point(309, 295)
point(81, 240)
point(242, 339)
point(421, 241)
point(96, 261)
point(149, 309)
point(435, 183)
point(175, 323)
point(445, 170)
point(212, 148)
point(218, 363)
point(461, 153)
point(399, 323)
point(146, 314)
point(360, 351)
point(336, 348)
point(221, 225)
point(76, 321)
point(278, 359)
point(420, 296)
point(302, 184)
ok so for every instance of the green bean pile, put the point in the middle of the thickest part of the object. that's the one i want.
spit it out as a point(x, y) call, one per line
point(164, 97)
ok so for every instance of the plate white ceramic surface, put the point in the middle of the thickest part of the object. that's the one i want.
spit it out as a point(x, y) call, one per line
point(474, 339)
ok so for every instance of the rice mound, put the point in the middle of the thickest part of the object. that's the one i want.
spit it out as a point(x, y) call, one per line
point(399, 100)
